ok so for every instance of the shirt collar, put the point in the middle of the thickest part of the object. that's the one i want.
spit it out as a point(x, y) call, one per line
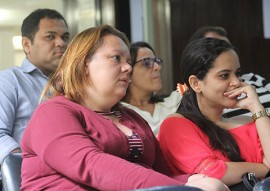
point(28, 67)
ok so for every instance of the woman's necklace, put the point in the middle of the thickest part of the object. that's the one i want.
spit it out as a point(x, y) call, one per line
point(109, 113)
point(117, 113)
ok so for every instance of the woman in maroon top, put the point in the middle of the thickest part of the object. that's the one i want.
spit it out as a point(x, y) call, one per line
point(80, 138)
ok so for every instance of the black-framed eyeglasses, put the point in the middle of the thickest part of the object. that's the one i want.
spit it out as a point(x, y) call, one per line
point(149, 62)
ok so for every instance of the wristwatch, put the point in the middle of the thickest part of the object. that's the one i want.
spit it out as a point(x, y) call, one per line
point(263, 113)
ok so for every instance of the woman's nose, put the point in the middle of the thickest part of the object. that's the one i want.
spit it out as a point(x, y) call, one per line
point(236, 81)
point(127, 67)
point(156, 66)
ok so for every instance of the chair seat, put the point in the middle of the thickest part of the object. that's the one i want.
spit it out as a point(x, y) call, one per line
point(11, 172)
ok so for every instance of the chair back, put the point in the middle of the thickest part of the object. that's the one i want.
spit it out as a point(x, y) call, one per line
point(11, 172)
point(263, 185)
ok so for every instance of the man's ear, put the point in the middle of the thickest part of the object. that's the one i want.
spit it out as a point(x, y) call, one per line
point(26, 44)
point(195, 83)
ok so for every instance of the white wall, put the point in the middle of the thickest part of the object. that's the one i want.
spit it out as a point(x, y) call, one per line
point(150, 22)
point(14, 13)
point(7, 52)
point(266, 18)
point(136, 20)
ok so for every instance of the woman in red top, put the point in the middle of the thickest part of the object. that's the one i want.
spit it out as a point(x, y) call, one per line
point(197, 139)
point(80, 138)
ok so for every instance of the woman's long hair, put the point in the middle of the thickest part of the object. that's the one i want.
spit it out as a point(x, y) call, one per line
point(197, 59)
point(134, 49)
point(70, 78)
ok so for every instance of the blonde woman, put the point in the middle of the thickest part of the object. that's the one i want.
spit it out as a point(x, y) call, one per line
point(80, 138)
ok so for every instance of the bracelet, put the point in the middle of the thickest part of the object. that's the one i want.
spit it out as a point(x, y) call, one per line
point(263, 113)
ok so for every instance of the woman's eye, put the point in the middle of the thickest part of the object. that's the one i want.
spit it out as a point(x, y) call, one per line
point(238, 74)
point(116, 57)
point(224, 76)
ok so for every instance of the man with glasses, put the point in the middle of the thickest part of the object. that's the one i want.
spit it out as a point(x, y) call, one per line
point(145, 83)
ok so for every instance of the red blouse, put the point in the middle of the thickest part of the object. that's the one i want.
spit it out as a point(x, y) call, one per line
point(187, 148)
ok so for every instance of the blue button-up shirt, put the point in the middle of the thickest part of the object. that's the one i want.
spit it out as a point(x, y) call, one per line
point(20, 89)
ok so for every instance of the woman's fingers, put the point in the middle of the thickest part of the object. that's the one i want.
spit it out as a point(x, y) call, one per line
point(246, 95)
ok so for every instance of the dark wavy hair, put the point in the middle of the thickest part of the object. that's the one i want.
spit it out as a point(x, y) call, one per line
point(134, 48)
point(201, 32)
point(197, 58)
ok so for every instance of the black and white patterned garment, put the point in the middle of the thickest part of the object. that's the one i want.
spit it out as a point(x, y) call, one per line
point(262, 88)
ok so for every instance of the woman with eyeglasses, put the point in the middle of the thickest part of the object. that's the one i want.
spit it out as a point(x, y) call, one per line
point(145, 83)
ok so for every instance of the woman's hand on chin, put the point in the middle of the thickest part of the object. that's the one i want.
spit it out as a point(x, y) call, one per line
point(247, 97)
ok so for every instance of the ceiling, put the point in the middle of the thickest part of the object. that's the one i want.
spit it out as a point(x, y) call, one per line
point(12, 12)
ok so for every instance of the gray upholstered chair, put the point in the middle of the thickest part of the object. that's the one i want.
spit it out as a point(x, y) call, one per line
point(11, 172)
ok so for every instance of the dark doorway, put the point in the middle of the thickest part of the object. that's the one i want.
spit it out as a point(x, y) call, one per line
point(242, 19)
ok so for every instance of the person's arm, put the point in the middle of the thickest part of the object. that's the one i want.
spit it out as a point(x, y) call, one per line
point(17, 150)
point(235, 170)
point(188, 150)
point(8, 107)
point(263, 128)
point(252, 103)
point(69, 150)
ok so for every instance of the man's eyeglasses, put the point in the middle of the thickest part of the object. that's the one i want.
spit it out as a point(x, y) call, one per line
point(149, 62)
